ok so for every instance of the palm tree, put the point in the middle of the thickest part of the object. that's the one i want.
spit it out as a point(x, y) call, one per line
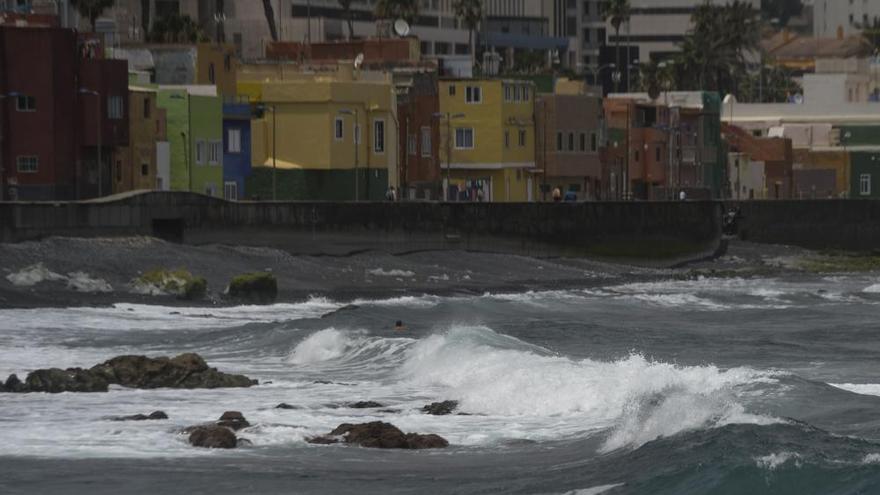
point(617, 12)
point(398, 9)
point(346, 10)
point(471, 13)
point(714, 52)
point(270, 19)
point(91, 9)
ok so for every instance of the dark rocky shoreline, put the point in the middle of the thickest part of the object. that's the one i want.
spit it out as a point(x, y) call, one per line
point(366, 275)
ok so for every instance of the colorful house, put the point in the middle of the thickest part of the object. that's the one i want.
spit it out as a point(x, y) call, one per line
point(331, 136)
point(236, 149)
point(136, 166)
point(488, 139)
point(63, 111)
point(568, 157)
point(419, 138)
point(194, 123)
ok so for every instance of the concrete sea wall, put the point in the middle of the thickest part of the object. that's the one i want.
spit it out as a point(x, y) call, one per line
point(852, 225)
point(628, 229)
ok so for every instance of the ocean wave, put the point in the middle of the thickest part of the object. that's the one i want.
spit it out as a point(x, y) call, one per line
point(638, 399)
point(772, 461)
point(859, 388)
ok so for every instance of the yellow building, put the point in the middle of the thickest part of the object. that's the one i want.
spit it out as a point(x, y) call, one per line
point(135, 166)
point(330, 136)
point(488, 139)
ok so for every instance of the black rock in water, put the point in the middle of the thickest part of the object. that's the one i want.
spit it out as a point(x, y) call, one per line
point(379, 435)
point(233, 420)
point(285, 405)
point(142, 417)
point(368, 404)
point(441, 408)
point(184, 371)
point(213, 437)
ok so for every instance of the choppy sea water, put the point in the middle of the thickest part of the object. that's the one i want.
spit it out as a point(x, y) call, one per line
point(698, 386)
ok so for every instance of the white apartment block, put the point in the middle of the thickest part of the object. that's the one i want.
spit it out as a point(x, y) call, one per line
point(839, 18)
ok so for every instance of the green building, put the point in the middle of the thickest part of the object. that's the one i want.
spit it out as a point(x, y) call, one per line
point(194, 119)
point(864, 177)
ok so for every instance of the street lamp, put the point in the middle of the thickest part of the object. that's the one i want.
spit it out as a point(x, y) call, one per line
point(449, 118)
point(11, 94)
point(356, 138)
point(271, 108)
point(86, 91)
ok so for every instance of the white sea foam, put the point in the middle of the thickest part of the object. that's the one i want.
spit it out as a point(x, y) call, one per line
point(859, 388)
point(640, 399)
point(773, 461)
point(33, 275)
point(83, 282)
point(871, 459)
point(322, 346)
point(595, 490)
point(381, 272)
point(872, 289)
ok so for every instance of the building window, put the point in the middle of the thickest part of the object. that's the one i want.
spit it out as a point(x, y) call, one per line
point(26, 103)
point(338, 129)
point(657, 154)
point(525, 94)
point(473, 94)
point(118, 170)
point(27, 164)
point(357, 134)
point(411, 144)
point(427, 149)
point(452, 90)
point(507, 139)
point(637, 155)
point(864, 184)
point(146, 108)
point(522, 138)
point(145, 169)
point(570, 141)
point(379, 136)
point(516, 93)
point(233, 138)
point(227, 62)
point(200, 152)
point(230, 190)
point(211, 78)
point(114, 107)
point(214, 151)
point(508, 93)
point(593, 142)
point(559, 139)
point(582, 142)
point(210, 189)
point(464, 138)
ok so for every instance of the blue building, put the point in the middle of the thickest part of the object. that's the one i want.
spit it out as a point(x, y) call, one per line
point(236, 149)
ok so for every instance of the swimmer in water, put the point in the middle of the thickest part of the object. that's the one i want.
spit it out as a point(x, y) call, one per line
point(398, 327)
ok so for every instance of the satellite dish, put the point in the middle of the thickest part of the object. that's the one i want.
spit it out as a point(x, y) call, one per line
point(401, 28)
point(359, 61)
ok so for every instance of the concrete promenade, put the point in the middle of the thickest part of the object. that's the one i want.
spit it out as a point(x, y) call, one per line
point(627, 229)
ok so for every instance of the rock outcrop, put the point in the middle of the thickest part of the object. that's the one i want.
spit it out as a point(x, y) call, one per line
point(213, 437)
point(379, 435)
point(259, 288)
point(184, 371)
point(441, 408)
point(155, 415)
point(233, 420)
point(285, 405)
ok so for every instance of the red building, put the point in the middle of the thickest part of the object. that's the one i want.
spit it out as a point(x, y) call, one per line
point(419, 138)
point(55, 97)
